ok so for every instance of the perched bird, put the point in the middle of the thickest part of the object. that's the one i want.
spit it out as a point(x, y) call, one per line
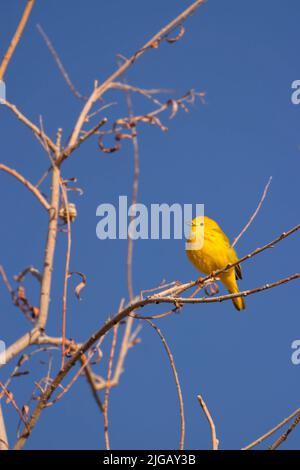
point(209, 250)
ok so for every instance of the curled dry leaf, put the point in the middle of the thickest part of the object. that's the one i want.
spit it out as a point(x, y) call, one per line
point(178, 36)
point(76, 190)
point(104, 149)
point(20, 300)
point(211, 289)
point(72, 180)
point(121, 136)
point(81, 285)
point(152, 120)
point(31, 270)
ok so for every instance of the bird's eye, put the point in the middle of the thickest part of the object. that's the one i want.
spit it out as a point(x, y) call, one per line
point(202, 223)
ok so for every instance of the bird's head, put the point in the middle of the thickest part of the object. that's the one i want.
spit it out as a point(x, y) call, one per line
point(201, 228)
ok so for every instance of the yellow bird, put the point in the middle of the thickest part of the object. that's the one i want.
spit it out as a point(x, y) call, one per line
point(209, 250)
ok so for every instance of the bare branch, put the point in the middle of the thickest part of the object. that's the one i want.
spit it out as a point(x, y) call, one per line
point(119, 369)
point(16, 38)
point(272, 431)
point(254, 213)
point(135, 186)
point(3, 435)
point(5, 280)
point(10, 399)
point(176, 377)
point(109, 325)
point(285, 435)
point(59, 63)
point(70, 149)
point(206, 300)
point(214, 440)
point(49, 250)
point(107, 385)
point(27, 184)
point(37, 132)
point(67, 270)
point(20, 344)
point(152, 43)
point(90, 379)
point(142, 91)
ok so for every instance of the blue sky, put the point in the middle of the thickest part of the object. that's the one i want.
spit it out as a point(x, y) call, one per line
point(244, 56)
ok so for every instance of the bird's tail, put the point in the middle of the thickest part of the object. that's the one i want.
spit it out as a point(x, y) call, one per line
point(231, 284)
point(239, 302)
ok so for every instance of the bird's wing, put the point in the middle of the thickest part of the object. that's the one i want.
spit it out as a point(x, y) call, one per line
point(232, 259)
point(238, 271)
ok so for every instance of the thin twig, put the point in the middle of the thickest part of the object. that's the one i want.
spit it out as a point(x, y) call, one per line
point(3, 435)
point(16, 38)
point(129, 321)
point(37, 132)
point(119, 368)
point(68, 258)
point(66, 275)
point(147, 93)
point(10, 399)
point(214, 440)
point(5, 280)
point(27, 185)
point(107, 386)
point(85, 361)
point(59, 63)
point(101, 89)
point(135, 186)
point(285, 435)
point(176, 377)
point(222, 298)
point(254, 213)
point(90, 379)
point(70, 149)
point(272, 431)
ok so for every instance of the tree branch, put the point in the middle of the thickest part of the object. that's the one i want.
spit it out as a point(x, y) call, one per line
point(100, 90)
point(16, 38)
point(27, 184)
point(3, 436)
point(263, 197)
point(285, 435)
point(37, 132)
point(176, 377)
point(214, 440)
point(49, 250)
point(272, 431)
